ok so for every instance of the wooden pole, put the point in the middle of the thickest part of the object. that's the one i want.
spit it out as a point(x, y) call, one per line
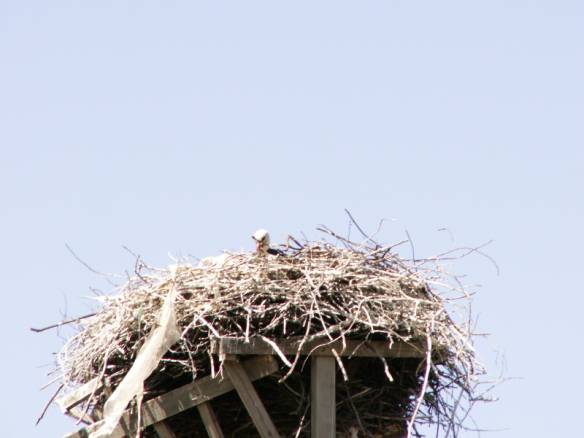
point(322, 397)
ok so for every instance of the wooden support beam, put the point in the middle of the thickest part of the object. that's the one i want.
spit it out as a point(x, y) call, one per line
point(79, 414)
point(72, 399)
point(398, 349)
point(322, 397)
point(97, 413)
point(252, 402)
point(180, 399)
point(69, 403)
point(210, 420)
point(163, 431)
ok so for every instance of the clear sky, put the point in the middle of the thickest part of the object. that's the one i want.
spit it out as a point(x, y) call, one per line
point(183, 126)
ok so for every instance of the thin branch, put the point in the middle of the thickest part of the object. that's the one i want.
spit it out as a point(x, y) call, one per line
point(62, 323)
point(49, 403)
point(411, 246)
point(363, 233)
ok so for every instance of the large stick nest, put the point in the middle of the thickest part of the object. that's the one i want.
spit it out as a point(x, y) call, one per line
point(314, 290)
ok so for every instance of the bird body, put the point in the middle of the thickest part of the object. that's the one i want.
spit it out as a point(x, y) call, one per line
point(262, 239)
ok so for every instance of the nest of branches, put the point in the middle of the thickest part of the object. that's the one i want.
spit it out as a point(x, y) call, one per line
point(314, 291)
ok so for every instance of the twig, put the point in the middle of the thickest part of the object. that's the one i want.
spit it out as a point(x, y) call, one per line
point(363, 233)
point(425, 381)
point(355, 411)
point(277, 350)
point(411, 246)
point(49, 403)
point(59, 324)
point(107, 276)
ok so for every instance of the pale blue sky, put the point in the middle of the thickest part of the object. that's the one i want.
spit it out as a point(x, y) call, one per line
point(183, 126)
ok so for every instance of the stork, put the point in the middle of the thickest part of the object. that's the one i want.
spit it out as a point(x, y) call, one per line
point(262, 240)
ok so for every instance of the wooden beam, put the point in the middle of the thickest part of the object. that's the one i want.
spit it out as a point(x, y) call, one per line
point(398, 349)
point(210, 420)
point(97, 412)
point(252, 402)
point(79, 414)
point(69, 403)
point(322, 397)
point(77, 396)
point(180, 399)
point(163, 431)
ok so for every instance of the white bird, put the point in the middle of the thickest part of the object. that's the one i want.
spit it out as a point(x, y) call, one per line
point(262, 240)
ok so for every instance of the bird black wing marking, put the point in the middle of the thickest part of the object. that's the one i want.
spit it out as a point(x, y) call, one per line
point(276, 252)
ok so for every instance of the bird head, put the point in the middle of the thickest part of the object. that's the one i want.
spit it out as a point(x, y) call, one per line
point(262, 239)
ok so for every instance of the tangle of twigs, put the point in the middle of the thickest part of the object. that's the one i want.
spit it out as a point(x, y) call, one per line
point(314, 290)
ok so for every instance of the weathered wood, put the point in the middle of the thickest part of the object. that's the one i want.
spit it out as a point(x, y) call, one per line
point(79, 414)
point(77, 396)
point(97, 413)
point(69, 403)
point(180, 399)
point(163, 431)
point(290, 346)
point(322, 397)
point(210, 420)
point(252, 402)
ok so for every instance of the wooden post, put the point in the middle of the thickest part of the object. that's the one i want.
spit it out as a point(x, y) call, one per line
point(322, 397)
point(210, 420)
point(249, 397)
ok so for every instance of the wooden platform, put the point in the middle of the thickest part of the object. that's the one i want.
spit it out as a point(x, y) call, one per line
point(351, 348)
point(239, 375)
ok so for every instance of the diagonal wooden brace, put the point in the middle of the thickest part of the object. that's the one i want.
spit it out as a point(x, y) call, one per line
point(252, 402)
point(163, 431)
point(183, 398)
point(210, 420)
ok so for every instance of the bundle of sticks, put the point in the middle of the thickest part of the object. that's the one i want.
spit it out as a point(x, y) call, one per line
point(314, 291)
